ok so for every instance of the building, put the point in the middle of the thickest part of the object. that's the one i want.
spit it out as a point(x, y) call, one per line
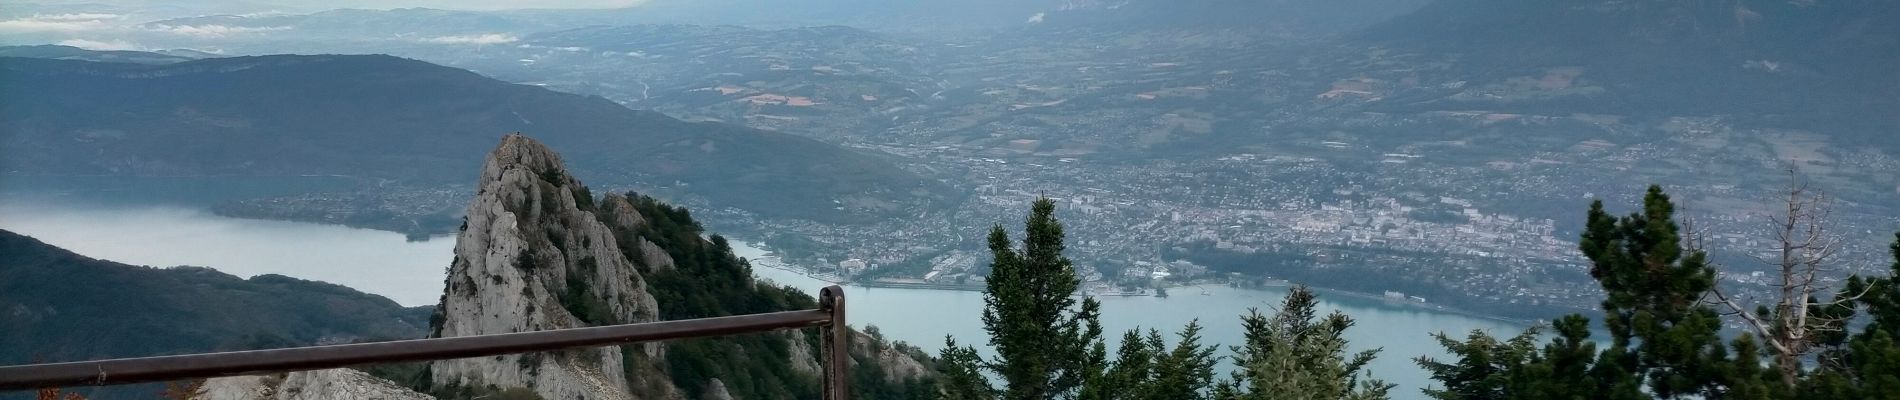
point(851, 267)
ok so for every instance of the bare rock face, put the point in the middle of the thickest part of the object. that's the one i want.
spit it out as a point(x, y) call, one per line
point(328, 384)
point(716, 390)
point(533, 256)
point(802, 359)
point(619, 213)
point(897, 366)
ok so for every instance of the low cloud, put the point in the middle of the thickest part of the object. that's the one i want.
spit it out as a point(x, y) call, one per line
point(101, 45)
point(58, 23)
point(509, 4)
point(487, 38)
point(76, 17)
point(271, 13)
point(213, 31)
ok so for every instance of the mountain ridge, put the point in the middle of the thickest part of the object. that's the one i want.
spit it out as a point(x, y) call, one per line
point(1821, 65)
point(391, 118)
point(61, 52)
point(62, 306)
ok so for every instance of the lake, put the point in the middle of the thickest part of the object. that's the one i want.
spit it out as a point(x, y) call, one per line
point(922, 317)
point(410, 273)
point(379, 262)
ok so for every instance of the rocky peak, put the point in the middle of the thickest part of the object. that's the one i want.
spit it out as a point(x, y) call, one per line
point(539, 252)
point(534, 256)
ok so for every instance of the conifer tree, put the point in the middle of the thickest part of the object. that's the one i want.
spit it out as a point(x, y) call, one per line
point(1297, 355)
point(1046, 347)
point(962, 373)
point(1187, 371)
point(1663, 336)
point(1049, 347)
point(1134, 364)
point(1483, 367)
point(1654, 295)
point(1864, 365)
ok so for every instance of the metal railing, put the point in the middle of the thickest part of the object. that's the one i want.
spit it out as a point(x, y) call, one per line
point(829, 314)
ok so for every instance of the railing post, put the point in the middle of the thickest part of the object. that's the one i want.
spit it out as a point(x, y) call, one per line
point(837, 344)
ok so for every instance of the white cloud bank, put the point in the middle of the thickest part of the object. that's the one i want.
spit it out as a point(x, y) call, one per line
point(501, 4)
point(213, 31)
point(76, 17)
point(59, 23)
point(482, 39)
point(101, 45)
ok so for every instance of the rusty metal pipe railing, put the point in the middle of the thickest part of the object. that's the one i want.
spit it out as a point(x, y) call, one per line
point(838, 357)
point(209, 365)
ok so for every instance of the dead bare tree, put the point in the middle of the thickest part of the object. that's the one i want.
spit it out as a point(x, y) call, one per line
point(1803, 255)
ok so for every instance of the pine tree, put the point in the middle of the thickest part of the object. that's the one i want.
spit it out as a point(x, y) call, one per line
point(962, 373)
point(1045, 346)
point(1048, 347)
point(1297, 355)
point(1881, 297)
point(1655, 295)
point(1864, 365)
point(1134, 365)
point(1483, 366)
point(1185, 372)
point(1146, 369)
point(1663, 337)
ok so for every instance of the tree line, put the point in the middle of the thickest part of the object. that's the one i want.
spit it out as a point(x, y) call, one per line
point(1814, 338)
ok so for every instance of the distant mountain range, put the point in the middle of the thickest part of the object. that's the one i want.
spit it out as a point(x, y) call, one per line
point(391, 118)
point(906, 15)
point(419, 22)
point(1796, 64)
point(1290, 17)
point(1825, 66)
point(58, 52)
point(402, 23)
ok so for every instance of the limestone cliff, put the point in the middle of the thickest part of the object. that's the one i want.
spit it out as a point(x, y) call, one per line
point(895, 361)
point(532, 256)
point(337, 384)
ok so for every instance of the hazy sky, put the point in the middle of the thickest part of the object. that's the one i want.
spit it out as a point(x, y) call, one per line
point(122, 24)
point(317, 5)
point(473, 4)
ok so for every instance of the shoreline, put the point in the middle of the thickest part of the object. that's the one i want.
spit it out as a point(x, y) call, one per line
point(1381, 299)
point(768, 260)
point(1410, 304)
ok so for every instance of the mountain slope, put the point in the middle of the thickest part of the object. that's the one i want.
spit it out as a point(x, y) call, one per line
point(923, 15)
point(63, 306)
point(60, 306)
point(1829, 65)
point(1296, 17)
point(391, 118)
